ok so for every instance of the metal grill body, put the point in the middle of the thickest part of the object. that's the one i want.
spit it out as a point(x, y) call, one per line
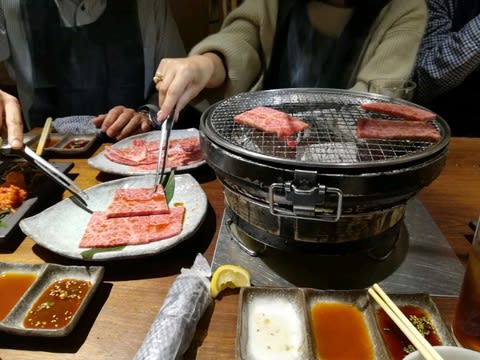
point(330, 180)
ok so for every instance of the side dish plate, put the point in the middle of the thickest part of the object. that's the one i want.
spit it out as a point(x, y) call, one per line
point(277, 323)
point(46, 274)
point(67, 221)
point(40, 189)
point(100, 162)
point(69, 144)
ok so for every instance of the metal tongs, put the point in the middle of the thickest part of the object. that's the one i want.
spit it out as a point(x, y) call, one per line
point(51, 171)
point(163, 150)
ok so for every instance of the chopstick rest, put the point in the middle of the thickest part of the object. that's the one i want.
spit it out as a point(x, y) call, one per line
point(392, 310)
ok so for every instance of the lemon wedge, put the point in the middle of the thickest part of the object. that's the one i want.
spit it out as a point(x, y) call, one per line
point(228, 276)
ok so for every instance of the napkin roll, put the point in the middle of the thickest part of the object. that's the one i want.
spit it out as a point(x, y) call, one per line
point(77, 125)
point(174, 326)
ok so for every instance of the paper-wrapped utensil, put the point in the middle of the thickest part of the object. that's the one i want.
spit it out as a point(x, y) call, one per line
point(76, 124)
point(174, 326)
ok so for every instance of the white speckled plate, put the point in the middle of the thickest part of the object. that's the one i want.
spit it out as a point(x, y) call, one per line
point(46, 274)
point(100, 162)
point(60, 227)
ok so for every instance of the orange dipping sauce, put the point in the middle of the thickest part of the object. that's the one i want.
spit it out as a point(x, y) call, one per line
point(51, 142)
point(340, 332)
point(12, 286)
point(57, 305)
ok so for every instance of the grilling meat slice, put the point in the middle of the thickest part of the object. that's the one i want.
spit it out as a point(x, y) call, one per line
point(404, 111)
point(396, 130)
point(271, 121)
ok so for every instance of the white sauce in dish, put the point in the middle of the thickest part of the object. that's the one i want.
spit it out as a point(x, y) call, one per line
point(274, 330)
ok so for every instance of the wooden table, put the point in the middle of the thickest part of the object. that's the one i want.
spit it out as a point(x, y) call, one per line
point(121, 312)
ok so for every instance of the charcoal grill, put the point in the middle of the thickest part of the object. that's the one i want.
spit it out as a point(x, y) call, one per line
point(331, 190)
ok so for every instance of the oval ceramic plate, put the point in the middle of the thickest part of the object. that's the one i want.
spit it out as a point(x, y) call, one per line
point(47, 274)
point(100, 162)
point(60, 227)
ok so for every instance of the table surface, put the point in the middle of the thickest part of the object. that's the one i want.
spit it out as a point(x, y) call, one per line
point(121, 312)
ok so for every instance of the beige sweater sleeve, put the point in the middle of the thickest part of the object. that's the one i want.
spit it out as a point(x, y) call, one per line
point(245, 42)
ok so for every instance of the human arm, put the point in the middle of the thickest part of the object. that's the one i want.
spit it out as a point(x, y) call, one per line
point(161, 39)
point(445, 57)
point(185, 78)
point(11, 124)
point(393, 44)
point(236, 50)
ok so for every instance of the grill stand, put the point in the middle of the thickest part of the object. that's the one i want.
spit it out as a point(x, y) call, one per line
point(422, 261)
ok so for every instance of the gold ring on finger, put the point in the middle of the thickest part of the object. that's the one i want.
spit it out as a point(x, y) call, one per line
point(157, 78)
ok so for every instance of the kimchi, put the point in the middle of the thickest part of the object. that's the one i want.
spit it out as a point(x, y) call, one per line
point(13, 191)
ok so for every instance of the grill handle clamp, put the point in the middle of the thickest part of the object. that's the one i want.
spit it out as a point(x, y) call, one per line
point(307, 200)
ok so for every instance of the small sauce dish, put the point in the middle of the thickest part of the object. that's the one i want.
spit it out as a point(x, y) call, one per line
point(448, 353)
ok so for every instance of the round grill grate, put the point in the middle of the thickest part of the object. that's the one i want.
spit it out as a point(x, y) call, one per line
point(330, 139)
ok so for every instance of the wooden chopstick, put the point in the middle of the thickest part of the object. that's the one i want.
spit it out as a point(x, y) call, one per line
point(44, 136)
point(417, 339)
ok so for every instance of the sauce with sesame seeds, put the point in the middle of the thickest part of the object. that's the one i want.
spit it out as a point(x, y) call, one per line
point(397, 343)
point(57, 304)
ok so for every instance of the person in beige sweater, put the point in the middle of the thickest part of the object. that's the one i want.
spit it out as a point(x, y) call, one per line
point(266, 44)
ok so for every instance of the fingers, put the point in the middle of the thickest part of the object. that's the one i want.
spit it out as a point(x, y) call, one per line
point(121, 122)
point(98, 121)
point(178, 95)
point(182, 80)
point(135, 125)
point(13, 119)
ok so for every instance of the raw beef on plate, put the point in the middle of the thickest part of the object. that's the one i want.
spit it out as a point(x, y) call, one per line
point(137, 202)
point(108, 232)
point(142, 154)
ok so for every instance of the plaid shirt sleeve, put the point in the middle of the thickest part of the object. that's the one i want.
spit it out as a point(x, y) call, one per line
point(445, 58)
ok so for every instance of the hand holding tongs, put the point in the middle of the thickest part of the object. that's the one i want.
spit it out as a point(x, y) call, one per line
point(49, 170)
point(163, 150)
